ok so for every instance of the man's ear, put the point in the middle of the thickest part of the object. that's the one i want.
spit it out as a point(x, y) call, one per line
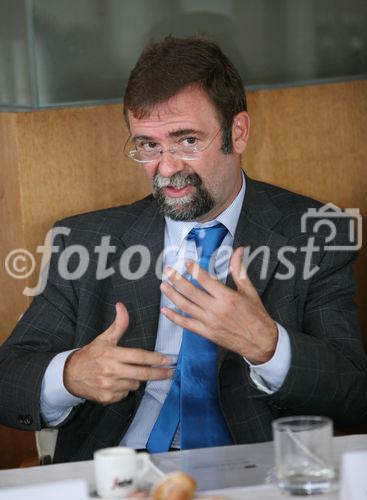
point(240, 132)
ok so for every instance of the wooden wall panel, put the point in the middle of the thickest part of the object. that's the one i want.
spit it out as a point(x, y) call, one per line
point(12, 302)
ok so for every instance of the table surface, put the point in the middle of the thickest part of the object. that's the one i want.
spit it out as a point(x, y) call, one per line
point(243, 471)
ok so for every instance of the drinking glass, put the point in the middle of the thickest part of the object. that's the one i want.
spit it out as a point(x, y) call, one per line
point(303, 454)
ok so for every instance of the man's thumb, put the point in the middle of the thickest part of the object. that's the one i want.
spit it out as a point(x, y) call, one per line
point(119, 326)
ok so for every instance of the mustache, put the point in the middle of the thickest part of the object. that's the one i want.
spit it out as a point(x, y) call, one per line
point(178, 180)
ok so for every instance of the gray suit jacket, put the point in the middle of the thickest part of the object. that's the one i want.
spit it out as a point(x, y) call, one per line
point(328, 368)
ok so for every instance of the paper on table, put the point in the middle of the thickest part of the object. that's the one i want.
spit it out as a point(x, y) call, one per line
point(222, 467)
point(75, 489)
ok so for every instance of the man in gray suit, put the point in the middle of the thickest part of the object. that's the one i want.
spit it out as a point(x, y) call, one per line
point(93, 354)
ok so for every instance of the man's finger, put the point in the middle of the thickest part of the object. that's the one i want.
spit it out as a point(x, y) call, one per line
point(239, 273)
point(191, 306)
point(132, 356)
point(185, 322)
point(144, 373)
point(185, 288)
point(118, 327)
point(206, 280)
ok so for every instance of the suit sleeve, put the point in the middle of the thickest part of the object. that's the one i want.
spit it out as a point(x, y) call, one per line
point(56, 401)
point(328, 368)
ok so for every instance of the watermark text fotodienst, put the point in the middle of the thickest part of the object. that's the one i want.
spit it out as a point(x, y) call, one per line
point(21, 264)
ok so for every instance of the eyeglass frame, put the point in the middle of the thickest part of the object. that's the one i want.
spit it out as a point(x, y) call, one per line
point(171, 150)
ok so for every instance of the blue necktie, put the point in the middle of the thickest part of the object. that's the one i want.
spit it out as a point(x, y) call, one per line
point(193, 398)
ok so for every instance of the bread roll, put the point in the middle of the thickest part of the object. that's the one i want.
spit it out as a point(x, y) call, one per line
point(175, 486)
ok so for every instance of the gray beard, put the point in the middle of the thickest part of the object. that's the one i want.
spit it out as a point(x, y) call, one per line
point(188, 207)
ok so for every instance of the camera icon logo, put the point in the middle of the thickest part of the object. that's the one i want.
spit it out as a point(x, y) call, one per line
point(329, 215)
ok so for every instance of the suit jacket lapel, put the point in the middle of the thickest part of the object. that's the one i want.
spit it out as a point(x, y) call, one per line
point(254, 231)
point(143, 294)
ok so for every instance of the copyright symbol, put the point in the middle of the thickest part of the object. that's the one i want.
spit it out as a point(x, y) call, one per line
point(20, 264)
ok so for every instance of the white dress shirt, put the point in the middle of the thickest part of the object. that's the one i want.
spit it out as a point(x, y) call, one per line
point(57, 402)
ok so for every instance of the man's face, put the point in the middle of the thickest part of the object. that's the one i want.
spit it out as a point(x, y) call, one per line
point(198, 189)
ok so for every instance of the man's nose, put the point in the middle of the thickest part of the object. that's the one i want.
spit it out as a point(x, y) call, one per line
point(169, 164)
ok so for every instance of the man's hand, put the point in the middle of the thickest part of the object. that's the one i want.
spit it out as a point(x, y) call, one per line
point(103, 372)
point(236, 320)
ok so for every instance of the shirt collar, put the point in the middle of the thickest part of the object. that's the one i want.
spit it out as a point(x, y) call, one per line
point(176, 231)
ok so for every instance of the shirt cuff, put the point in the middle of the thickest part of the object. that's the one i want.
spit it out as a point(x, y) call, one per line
point(269, 376)
point(56, 401)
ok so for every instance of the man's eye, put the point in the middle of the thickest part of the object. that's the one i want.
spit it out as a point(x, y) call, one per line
point(189, 141)
point(146, 145)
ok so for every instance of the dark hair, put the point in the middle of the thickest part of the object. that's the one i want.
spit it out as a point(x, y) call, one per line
point(167, 67)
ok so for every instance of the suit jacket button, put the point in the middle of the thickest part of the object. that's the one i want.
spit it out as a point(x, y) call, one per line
point(28, 420)
point(25, 419)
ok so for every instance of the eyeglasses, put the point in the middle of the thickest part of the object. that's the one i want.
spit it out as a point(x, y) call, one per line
point(149, 151)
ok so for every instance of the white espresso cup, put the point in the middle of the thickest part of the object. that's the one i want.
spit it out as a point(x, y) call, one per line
point(118, 469)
